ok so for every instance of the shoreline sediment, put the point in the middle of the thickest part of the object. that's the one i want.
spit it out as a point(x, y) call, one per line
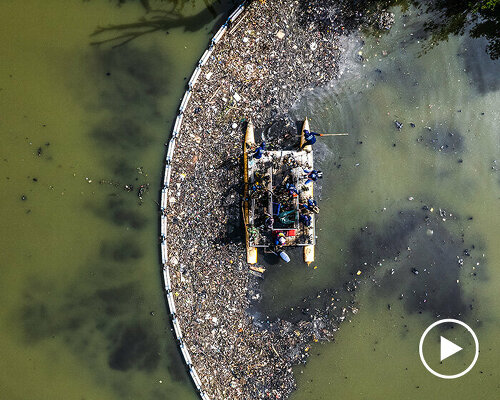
point(256, 67)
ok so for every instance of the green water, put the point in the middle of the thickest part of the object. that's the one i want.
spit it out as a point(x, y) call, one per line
point(80, 271)
point(453, 89)
point(83, 316)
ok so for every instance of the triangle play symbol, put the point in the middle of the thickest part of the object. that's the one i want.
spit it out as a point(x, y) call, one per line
point(448, 348)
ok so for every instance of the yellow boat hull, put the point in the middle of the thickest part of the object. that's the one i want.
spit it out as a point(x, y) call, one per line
point(308, 250)
point(305, 127)
point(249, 142)
point(309, 254)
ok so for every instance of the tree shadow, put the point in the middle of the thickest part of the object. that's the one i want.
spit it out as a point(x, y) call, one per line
point(156, 20)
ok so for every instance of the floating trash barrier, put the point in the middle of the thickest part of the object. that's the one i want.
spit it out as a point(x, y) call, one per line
point(164, 196)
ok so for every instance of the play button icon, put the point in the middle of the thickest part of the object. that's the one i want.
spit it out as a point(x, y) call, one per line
point(448, 348)
point(449, 367)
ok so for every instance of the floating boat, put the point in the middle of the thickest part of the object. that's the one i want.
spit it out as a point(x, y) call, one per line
point(249, 144)
point(275, 192)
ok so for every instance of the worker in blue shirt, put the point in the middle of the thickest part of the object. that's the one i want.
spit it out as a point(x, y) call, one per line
point(292, 190)
point(311, 205)
point(310, 138)
point(305, 219)
point(313, 176)
point(259, 150)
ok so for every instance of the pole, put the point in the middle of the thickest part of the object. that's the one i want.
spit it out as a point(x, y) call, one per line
point(330, 134)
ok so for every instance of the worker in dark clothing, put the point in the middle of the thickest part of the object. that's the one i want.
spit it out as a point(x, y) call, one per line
point(292, 190)
point(259, 150)
point(256, 189)
point(311, 205)
point(269, 222)
point(305, 219)
point(310, 138)
point(313, 176)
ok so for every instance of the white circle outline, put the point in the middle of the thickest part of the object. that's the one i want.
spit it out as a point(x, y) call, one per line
point(443, 321)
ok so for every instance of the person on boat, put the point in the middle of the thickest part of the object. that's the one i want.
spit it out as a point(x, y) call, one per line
point(280, 239)
point(269, 222)
point(259, 150)
point(305, 219)
point(287, 217)
point(255, 189)
point(258, 187)
point(254, 232)
point(292, 190)
point(310, 138)
point(311, 205)
point(260, 176)
point(313, 176)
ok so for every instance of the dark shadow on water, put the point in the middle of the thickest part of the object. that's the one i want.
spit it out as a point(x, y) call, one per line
point(484, 72)
point(113, 299)
point(442, 138)
point(103, 321)
point(130, 79)
point(135, 348)
point(122, 169)
point(271, 259)
point(426, 259)
point(161, 20)
point(121, 250)
point(132, 83)
point(369, 246)
point(121, 134)
point(121, 210)
point(176, 365)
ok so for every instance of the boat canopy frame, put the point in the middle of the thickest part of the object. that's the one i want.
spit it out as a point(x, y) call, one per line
point(279, 164)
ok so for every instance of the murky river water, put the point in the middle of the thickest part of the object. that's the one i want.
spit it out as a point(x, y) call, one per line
point(414, 210)
point(82, 311)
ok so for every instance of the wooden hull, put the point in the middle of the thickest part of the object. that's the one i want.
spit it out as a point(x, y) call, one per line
point(305, 127)
point(249, 142)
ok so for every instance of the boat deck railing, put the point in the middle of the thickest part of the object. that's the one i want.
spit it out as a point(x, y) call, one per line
point(278, 169)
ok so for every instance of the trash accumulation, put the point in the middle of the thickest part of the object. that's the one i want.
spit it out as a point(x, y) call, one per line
point(257, 70)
